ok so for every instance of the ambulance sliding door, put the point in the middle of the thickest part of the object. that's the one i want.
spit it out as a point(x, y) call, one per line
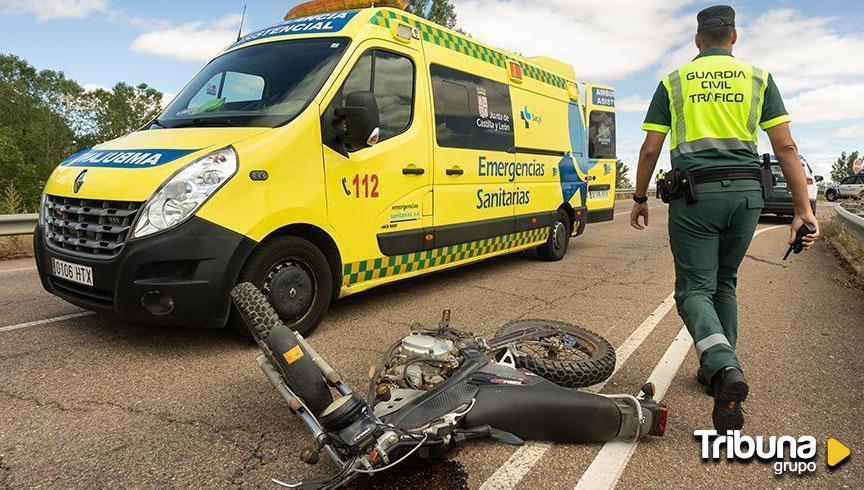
point(600, 121)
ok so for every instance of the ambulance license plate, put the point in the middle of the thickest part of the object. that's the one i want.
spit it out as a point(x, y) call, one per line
point(72, 272)
point(781, 185)
point(599, 195)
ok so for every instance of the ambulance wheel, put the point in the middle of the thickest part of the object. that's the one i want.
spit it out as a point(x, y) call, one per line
point(294, 276)
point(831, 195)
point(559, 239)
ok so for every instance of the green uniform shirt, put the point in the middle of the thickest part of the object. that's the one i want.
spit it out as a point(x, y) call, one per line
point(659, 118)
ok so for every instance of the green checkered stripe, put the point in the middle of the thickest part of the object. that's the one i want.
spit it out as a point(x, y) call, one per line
point(463, 45)
point(367, 270)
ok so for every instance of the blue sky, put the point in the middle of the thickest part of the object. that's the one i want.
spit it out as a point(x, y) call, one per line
point(814, 49)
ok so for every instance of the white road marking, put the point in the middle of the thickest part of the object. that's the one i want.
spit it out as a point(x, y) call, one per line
point(46, 321)
point(18, 270)
point(609, 464)
point(628, 212)
point(520, 462)
point(523, 459)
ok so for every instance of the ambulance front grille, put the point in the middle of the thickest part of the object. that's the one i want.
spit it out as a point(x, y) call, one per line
point(88, 227)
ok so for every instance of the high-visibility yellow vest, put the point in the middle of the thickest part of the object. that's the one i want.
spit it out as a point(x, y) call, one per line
point(716, 103)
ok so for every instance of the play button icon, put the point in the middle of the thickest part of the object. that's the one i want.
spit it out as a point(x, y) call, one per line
point(837, 452)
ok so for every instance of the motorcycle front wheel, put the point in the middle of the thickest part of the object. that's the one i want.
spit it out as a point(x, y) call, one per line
point(565, 354)
point(279, 344)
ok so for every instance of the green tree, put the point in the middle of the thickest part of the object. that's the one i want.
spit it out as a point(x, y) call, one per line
point(842, 168)
point(45, 117)
point(108, 114)
point(35, 129)
point(438, 11)
point(622, 181)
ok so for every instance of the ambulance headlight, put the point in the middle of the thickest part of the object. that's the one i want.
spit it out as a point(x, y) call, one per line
point(181, 195)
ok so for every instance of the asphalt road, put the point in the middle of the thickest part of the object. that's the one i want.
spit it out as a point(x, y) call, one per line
point(94, 402)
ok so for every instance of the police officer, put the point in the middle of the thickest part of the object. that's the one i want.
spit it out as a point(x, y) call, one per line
point(711, 107)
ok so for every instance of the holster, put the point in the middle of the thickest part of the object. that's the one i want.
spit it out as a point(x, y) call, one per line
point(671, 187)
point(682, 183)
point(767, 179)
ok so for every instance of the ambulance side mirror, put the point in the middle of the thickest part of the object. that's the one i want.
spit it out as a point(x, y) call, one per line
point(359, 121)
point(818, 178)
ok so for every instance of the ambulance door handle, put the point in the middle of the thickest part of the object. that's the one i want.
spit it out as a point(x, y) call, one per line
point(454, 171)
point(413, 170)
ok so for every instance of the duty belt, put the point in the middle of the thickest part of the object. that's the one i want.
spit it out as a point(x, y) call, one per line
point(682, 183)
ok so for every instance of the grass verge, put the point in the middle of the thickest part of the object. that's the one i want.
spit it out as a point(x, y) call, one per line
point(848, 247)
point(16, 247)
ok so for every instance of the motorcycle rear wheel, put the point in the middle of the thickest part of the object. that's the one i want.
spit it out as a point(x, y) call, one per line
point(565, 354)
point(280, 346)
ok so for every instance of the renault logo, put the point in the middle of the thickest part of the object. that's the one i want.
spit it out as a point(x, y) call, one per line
point(79, 181)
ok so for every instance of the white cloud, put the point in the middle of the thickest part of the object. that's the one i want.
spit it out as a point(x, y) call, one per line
point(632, 103)
point(603, 40)
point(193, 41)
point(53, 9)
point(855, 131)
point(802, 52)
point(167, 97)
point(836, 102)
point(817, 68)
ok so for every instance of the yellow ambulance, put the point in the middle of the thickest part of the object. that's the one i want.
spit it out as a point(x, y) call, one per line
point(326, 155)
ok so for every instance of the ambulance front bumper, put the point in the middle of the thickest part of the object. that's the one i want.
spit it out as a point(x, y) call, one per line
point(181, 277)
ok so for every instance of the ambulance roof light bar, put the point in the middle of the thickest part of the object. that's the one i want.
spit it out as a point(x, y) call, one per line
point(316, 7)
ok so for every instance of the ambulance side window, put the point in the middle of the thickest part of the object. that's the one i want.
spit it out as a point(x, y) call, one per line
point(390, 77)
point(601, 134)
point(470, 111)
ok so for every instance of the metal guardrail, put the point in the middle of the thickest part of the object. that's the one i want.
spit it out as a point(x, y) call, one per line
point(849, 222)
point(17, 224)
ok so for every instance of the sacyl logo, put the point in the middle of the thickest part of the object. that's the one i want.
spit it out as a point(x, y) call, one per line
point(789, 454)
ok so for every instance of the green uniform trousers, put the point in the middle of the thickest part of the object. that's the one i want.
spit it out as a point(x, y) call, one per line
point(709, 239)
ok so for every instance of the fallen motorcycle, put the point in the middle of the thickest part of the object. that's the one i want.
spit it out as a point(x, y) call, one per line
point(437, 388)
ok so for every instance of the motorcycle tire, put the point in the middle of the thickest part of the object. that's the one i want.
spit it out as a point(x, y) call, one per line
point(279, 344)
point(595, 366)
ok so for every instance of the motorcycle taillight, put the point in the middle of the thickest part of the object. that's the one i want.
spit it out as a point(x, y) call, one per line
point(659, 426)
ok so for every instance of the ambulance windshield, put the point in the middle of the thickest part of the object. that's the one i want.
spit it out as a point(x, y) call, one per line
point(262, 85)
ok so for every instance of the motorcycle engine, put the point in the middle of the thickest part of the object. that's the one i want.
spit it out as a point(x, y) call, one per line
point(420, 362)
point(428, 346)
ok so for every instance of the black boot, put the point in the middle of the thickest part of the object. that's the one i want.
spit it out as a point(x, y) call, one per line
point(730, 389)
point(700, 377)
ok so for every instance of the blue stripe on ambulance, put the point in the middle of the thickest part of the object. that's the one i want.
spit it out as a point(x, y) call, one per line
point(313, 24)
point(577, 161)
point(124, 158)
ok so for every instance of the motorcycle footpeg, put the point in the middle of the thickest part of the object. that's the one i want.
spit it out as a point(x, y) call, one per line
point(310, 456)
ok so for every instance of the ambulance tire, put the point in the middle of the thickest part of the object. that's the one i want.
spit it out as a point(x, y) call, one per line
point(559, 239)
point(831, 195)
point(305, 270)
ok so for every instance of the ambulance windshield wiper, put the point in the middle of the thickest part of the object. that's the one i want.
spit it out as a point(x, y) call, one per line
point(205, 121)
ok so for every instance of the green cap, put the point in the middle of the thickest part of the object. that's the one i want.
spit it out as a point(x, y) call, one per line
point(716, 16)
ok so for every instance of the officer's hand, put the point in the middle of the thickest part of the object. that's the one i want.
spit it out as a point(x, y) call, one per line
point(639, 210)
point(799, 220)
